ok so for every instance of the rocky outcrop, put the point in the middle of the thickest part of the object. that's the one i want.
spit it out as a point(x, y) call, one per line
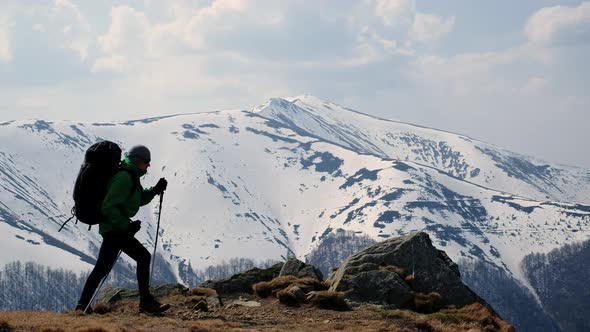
point(110, 294)
point(297, 268)
point(392, 272)
point(242, 283)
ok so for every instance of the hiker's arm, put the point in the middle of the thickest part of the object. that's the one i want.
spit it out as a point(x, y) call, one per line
point(117, 193)
point(147, 195)
point(158, 189)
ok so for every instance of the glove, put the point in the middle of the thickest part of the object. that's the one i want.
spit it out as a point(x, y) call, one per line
point(134, 226)
point(160, 186)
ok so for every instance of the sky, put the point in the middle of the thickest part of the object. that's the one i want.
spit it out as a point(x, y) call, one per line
point(511, 73)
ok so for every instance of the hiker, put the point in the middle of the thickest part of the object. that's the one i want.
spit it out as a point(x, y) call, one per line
point(123, 198)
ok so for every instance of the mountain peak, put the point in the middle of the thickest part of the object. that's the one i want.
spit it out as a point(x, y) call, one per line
point(273, 103)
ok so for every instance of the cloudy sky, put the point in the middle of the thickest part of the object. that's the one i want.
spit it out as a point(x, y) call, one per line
point(512, 73)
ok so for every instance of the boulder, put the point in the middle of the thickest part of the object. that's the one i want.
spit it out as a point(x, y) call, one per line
point(297, 268)
point(242, 283)
point(297, 293)
point(368, 275)
point(114, 294)
point(244, 303)
point(201, 306)
point(378, 287)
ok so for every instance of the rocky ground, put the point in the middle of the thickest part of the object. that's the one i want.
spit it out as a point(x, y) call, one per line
point(254, 315)
point(292, 296)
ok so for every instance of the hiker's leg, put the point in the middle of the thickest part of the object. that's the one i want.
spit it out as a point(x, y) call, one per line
point(106, 258)
point(134, 249)
point(147, 303)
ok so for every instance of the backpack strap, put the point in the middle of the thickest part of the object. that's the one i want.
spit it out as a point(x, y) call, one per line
point(134, 181)
point(70, 218)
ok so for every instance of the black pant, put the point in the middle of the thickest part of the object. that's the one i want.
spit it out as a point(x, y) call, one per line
point(111, 245)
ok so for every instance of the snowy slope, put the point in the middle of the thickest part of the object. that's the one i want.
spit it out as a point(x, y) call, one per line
point(278, 179)
point(458, 155)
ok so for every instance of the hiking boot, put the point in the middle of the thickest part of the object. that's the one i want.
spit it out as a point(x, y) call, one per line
point(148, 304)
point(81, 307)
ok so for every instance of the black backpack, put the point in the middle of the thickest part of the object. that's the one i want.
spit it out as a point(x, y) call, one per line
point(101, 162)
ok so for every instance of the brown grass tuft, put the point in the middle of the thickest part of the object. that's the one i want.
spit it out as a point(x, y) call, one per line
point(475, 313)
point(427, 303)
point(101, 309)
point(315, 283)
point(287, 298)
point(400, 271)
point(202, 291)
point(197, 328)
point(266, 288)
point(328, 300)
point(93, 329)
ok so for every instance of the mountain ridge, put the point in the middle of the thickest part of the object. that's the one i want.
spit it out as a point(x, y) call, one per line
point(266, 187)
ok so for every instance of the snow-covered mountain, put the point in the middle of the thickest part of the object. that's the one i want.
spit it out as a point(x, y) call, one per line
point(278, 179)
point(460, 156)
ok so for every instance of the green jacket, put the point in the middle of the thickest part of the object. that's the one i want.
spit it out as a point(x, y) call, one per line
point(120, 204)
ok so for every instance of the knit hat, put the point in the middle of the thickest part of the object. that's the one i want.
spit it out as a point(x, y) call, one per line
point(139, 152)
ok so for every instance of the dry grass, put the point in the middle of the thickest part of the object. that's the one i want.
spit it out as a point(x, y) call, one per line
point(102, 309)
point(124, 319)
point(198, 329)
point(427, 303)
point(479, 313)
point(410, 279)
point(400, 271)
point(271, 316)
point(93, 329)
point(474, 317)
point(328, 300)
point(202, 291)
point(267, 288)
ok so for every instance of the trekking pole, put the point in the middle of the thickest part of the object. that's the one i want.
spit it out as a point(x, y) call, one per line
point(102, 282)
point(157, 233)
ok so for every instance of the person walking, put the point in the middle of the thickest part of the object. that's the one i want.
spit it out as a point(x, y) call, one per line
point(125, 195)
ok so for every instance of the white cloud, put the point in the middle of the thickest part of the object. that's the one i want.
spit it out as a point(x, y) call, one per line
point(128, 33)
point(395, 12)
point(428, 27)
point(60, 21)
point(559, 25)
point(403, 15)
point(39, 27)
point(68, 27)
point(246, 30)
point(5, 40)
point(534, 84)
point(463, 74)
